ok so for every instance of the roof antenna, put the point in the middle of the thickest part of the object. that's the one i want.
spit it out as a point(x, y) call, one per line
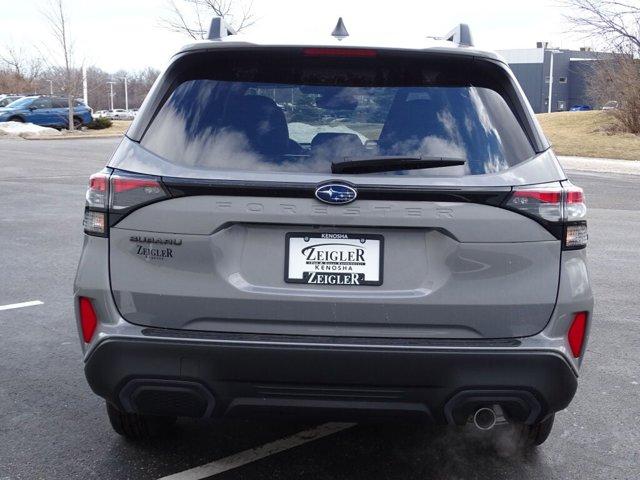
point(340, 31)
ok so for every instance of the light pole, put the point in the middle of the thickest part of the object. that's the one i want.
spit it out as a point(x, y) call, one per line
point(50, 86)
point(551, 79)
point(111, 93)
point(126, 94)
point(85, 88)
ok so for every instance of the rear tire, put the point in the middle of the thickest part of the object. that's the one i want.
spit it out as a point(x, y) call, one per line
point(138, 427)
point(77, 123)
point(16, 119)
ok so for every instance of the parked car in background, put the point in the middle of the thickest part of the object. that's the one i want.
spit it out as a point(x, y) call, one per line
point(610, 105)
point(46, 111)
point(119, 114)
point(580, 108)
point(116, 114)
point(7, 99)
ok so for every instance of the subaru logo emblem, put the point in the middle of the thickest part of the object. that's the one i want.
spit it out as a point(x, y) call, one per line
point(336, 193)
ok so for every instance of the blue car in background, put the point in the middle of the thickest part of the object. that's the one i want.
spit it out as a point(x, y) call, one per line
point(580, 108)
point(46, 111)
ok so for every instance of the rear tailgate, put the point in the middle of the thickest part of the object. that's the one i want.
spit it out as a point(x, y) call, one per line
point(242, 137)
point(449, 269)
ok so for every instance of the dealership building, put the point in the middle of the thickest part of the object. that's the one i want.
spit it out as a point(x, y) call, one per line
point(568, 69)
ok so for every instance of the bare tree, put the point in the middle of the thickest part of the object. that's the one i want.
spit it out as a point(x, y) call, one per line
point(618, 79)
point(192, 17)
point(22, 63)
point(615, 25)
point(19, 70)
point(57, 19)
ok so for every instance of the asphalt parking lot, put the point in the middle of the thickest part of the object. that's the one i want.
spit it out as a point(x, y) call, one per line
point(53, 427)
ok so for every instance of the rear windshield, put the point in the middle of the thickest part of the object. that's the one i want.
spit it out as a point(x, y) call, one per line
point(300, 116)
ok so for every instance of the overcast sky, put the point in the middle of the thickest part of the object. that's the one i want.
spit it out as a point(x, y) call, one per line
point(126, 34)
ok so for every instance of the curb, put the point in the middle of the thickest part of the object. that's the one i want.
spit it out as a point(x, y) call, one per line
point(74, 137)
point(600, 165)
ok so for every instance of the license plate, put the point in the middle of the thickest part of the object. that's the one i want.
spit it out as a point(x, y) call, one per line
point(348, 259)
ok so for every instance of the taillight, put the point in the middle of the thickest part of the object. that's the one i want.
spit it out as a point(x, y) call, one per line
point(111, 196)
point(97, 191)
point(131, 190)
point(577, 332)
point(95, 223)
point(95, 212)
point(575, 213)
point(542, 202)
point(560, 208)
point(88, 319)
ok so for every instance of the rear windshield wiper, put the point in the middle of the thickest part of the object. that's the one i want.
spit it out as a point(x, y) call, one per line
point(392, 163)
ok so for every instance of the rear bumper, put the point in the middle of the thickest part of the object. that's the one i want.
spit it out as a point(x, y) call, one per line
point(252, 375)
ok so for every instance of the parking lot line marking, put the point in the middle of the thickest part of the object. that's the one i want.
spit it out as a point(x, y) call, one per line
point(11, 306)
point(253, 454)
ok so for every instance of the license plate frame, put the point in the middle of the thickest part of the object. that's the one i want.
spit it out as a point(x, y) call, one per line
point(343, 242)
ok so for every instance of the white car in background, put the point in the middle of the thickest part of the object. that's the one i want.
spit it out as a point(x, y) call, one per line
point(120, 114)
point(116, 114)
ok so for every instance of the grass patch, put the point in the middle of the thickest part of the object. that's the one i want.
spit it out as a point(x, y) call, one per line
point(588, 134)
point(117, 127)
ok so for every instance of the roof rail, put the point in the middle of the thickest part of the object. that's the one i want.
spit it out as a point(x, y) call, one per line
point(219, 29)
point(460, 35)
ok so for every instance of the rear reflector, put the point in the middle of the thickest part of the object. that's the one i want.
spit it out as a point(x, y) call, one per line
point(88, 319)
point(577, 332)
point(339, 52)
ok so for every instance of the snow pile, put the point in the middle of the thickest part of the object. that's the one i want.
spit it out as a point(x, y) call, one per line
point(26, 130)
point(304, 133)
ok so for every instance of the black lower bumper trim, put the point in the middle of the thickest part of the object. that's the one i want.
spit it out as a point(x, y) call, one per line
point(212, 379)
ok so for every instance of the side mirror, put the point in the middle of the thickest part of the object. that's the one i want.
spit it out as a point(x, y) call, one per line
point(33, 108)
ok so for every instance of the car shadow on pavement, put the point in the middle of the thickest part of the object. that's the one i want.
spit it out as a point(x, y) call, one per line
point(365, 451)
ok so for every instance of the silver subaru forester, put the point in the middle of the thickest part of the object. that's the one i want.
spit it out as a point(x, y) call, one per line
point(334, 229)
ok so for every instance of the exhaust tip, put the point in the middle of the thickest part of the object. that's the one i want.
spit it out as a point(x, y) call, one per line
point(484, 418)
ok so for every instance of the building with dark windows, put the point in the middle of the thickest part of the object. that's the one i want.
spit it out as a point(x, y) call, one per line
point(571, 70)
